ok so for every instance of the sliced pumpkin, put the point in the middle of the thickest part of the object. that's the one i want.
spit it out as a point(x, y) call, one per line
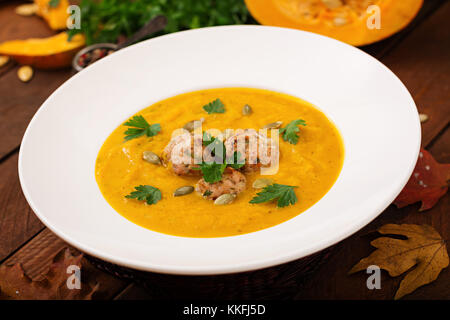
point(345, 20)
point(45, 53)
point(54, 12)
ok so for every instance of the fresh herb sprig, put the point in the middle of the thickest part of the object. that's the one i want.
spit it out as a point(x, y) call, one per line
point(238, 161)
point(215, 106)
point(208, 139)
point(213, 171)
point(106, 20)
point(285, 195)
point(290, 131)
point(53, 3)
point(149, 194)
point(140, 127)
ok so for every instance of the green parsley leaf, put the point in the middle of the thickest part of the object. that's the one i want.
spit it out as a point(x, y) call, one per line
point(285, 195)
point(207, 139)
point(140, 128)
point(215, 106)
point(290, 131)
point(207, 193)
point(212, 144)
point(145, 193)
point(105, 20)
point(238, 162)
point(212, 172)
point(53, 3)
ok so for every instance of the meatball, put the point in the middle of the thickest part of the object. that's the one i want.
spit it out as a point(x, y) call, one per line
point(182, 164)
point(233, 182)
point(252, 160)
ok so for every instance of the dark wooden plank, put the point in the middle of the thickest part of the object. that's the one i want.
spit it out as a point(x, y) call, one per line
point(37, 255)
point(441, 147)
point(19, 101)
point(134, 292)
point(379, 49)
point(332, 282)
point(17, 221)
point(13, 26)
point(422, 62)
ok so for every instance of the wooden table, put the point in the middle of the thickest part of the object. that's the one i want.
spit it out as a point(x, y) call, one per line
point(419, 55)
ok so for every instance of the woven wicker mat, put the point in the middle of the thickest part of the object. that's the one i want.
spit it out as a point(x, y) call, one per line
point(279, 282)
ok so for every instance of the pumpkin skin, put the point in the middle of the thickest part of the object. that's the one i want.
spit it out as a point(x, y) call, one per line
point(347, 23)
point(46, 53)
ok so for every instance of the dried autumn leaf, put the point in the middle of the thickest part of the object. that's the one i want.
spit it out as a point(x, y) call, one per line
point(424, 249)
point(15, 284)
point(428, 183)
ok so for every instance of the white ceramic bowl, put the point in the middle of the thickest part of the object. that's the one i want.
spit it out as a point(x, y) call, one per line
point(373, 110)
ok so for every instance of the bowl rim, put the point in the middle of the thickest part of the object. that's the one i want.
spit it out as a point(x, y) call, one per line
point(75, 64)
point(235, 268)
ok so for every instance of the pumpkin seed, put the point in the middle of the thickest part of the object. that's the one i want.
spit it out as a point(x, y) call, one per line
point(423, 117)
point(224, 199)
point(26, 9)
point(183, 191)
point(190, 125)
point(262, 183)
point(247, 110)
point(25, 73)
point(151, 157)
point(273, 125)
point(3, 60)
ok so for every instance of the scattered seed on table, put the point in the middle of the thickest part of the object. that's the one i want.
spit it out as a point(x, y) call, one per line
point(423, 117)
point(3, 60)
point(26, 9)
point(25, 73)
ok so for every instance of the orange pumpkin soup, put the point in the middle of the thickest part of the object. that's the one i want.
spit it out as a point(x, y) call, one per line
point(311, 162)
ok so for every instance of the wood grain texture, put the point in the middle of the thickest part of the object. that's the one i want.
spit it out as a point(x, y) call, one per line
point(380, 49)
point(134, 292)
point(330, 282)
point(18, 223)
point(37, 255)
point(19, 101)
point(419, 55)
point(422, 62)
point(14, 26)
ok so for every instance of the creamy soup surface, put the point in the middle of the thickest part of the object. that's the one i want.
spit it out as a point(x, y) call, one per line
point(313, 164)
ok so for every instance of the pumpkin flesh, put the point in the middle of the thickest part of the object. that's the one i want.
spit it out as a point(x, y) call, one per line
point(45, 53)
point(344, 20)
point(56, 17)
